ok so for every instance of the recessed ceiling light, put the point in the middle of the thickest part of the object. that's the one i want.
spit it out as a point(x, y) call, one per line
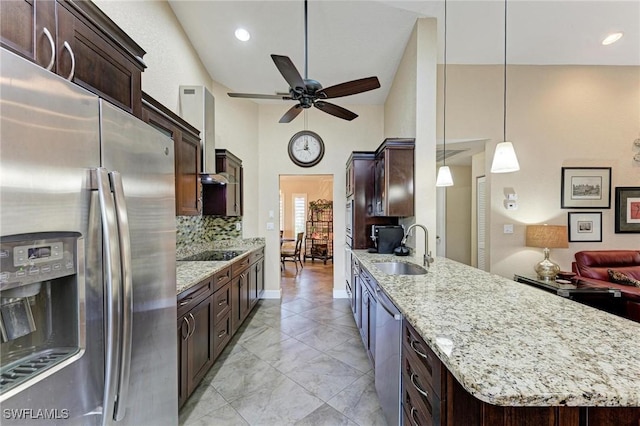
point(611, 38)
point(242, 34)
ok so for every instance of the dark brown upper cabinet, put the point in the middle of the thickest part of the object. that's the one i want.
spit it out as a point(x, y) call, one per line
point(77, 41)
point(393, 178)
point(186, 142)
point(224, 200)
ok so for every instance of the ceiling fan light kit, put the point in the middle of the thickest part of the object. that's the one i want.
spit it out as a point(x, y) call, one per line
point(310, 93)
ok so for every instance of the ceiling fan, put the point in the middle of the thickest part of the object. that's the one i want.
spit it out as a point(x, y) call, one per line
point(308, 92)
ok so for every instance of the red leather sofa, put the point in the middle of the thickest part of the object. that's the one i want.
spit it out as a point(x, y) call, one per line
point(592, 268)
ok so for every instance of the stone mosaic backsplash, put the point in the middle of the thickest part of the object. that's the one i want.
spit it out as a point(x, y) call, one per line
point(205, 229)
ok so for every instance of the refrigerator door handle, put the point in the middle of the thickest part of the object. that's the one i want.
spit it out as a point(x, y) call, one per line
point(112, 288)
point(127, 295)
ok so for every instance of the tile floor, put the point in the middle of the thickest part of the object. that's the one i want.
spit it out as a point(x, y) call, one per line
point(295, 361)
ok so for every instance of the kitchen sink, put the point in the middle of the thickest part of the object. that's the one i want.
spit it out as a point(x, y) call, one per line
point(400, 268)
point(214, 255)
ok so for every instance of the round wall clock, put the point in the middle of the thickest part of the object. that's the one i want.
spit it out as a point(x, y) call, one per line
point(306, 148)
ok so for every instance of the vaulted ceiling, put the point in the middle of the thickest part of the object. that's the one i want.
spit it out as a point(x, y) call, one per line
point(355, 39)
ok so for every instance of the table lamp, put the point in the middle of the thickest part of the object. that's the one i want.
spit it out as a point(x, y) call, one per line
point(547, 237)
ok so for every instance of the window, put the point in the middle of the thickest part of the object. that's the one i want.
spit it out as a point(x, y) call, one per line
point(299, 212)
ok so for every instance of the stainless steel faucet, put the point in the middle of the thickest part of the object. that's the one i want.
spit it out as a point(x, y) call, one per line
point(427, 260)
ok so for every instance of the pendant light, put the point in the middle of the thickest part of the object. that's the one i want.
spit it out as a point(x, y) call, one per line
point(444, 174)
point(504, 158)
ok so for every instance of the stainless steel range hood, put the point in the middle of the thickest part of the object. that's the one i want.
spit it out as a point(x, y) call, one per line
point(197, 107)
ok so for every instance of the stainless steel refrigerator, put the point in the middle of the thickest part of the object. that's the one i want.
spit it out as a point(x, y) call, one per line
point(87, 258)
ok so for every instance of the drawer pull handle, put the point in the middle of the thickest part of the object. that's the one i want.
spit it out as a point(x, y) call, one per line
point(46, 32)
point(188, 327)
point(222, 302)
point(73, 60)
point(194, 324)
point(413, 416)
point(416, 350)
point(186, 301)
point(222, 333)
point(418, 388)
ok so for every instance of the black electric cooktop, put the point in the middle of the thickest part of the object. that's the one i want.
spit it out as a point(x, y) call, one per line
point(214, 255)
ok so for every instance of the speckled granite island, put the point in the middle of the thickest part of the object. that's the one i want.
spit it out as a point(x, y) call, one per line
point(509, 344)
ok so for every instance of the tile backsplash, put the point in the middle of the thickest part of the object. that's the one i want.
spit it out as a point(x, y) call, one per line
point(204, 229)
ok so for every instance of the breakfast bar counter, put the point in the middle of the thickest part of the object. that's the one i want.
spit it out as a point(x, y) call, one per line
point(510, 344)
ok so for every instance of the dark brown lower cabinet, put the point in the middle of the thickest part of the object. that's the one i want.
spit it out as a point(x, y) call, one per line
point(195, 343)
point(431, 395)
point(210, 313)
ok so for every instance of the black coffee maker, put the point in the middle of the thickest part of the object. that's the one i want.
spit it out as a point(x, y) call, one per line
point(386, 238)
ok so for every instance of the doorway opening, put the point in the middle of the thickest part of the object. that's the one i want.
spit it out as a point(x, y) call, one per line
point(306, 211)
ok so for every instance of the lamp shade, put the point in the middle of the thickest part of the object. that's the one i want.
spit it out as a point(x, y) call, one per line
point(547, 236)
point(504, 159)
point(444, 177)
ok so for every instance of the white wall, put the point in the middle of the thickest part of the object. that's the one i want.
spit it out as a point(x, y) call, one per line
point(410, 111)
point(172, 61)
point(458, 214)
point(340, 138)
point(556, 116)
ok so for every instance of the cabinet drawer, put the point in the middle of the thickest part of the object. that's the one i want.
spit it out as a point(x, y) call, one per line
point(417, 388)
point(423, 359)
point(221, 302)
point(221, 278)
point(239, 265)
point(416, 413)
point(191, 297)
point(221, 334)
point(256, 255)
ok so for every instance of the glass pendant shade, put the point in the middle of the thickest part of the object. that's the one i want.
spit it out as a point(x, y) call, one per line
point(504, 159)
point(444, 177)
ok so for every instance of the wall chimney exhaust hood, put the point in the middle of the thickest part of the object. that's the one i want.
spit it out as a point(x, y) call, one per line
point(197, 107)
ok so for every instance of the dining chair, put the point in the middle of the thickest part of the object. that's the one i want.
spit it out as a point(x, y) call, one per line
point(288, 255)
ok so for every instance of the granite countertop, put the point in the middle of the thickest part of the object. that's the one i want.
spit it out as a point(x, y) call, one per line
point(511, 344)
point(190, 273)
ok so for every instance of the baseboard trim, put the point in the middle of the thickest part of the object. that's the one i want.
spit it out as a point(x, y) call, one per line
point(340, 294)
point(272, 294)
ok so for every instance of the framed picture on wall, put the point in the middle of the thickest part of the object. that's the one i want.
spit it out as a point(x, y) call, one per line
point(628, 209)
point(585, 227)
point(586, 188)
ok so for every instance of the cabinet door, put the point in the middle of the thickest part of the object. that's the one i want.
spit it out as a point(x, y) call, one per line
point(187, 175)
point(235, 304)
point(260, 277)
point(182, 360)
point(245, 289)
point(22, 25)
point(200, 351)
point(187, 164)
point(95, 64)
point(233, 190)
point(380, 188)
point(253, 285)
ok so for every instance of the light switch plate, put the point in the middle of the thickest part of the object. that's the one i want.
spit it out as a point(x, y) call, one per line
point(270, 226)
point(238, 226)
point(508, 228)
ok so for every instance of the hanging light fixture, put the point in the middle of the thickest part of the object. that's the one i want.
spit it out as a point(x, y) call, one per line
point(504, 158)
point(444, 173)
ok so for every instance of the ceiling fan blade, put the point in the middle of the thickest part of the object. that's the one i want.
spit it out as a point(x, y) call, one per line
point(336, 110)
point(349, 88)
point(289, 72)
point(291, 114)
point(259, 96)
